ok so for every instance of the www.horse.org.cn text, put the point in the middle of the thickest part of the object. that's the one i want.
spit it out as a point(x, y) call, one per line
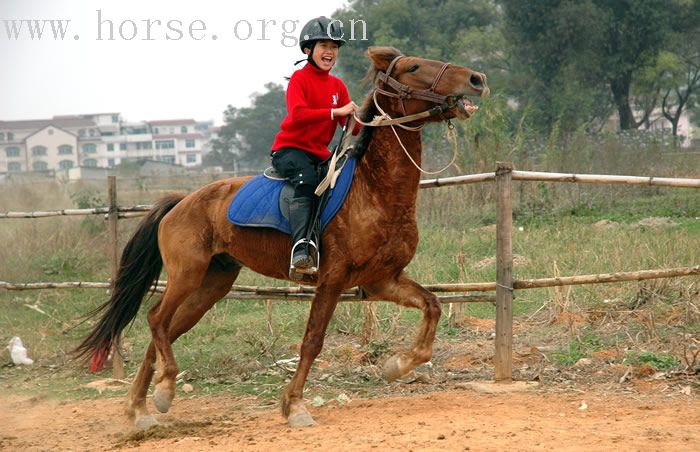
point(111, 28)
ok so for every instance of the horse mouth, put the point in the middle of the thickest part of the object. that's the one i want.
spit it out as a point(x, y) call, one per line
point(466, 108)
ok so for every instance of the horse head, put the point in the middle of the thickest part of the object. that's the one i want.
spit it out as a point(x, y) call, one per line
point(406, 86)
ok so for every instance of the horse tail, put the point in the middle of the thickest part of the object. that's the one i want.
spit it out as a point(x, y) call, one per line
point(139, 268)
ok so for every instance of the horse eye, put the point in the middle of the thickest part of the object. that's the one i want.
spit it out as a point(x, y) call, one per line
point(413, 68)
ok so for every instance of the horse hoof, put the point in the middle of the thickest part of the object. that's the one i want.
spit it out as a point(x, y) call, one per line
point(146, 422)
point(162, 398)
point(300, 419)
point(392, 369)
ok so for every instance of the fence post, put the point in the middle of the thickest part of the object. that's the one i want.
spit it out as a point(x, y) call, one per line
point(504, 273)
point(113, 218)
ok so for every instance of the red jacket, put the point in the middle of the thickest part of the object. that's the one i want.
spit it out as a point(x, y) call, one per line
point(311, 95)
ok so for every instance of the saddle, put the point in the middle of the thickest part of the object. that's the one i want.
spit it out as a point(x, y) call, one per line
point(263, 201)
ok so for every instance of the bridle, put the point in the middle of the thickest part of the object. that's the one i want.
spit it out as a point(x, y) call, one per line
point(404, 92)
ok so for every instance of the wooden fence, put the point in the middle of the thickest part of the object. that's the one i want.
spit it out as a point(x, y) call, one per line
point(503, 286)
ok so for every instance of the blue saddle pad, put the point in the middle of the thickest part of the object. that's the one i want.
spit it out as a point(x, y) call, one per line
point(257, 202)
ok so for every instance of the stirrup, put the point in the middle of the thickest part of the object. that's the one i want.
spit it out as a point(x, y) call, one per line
point(298, 273)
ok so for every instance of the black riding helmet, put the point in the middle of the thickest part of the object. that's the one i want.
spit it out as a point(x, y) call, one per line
point(318, 29)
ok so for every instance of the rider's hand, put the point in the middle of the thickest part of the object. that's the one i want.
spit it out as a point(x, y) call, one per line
point(346, 110)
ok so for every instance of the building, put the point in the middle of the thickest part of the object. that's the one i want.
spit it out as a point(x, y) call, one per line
point(100, 140)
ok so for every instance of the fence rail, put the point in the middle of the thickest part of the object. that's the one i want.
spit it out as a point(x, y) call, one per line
point(504, 285)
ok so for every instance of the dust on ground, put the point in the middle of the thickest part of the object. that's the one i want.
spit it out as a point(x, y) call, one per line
point(452, 419)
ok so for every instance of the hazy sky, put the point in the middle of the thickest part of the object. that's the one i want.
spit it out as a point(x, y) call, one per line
point(144, 79)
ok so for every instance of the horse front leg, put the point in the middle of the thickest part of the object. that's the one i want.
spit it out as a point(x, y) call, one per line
point(322, 308)
point(406, 292)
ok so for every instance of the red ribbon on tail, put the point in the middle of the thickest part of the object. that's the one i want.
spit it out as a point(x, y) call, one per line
point(99, 358)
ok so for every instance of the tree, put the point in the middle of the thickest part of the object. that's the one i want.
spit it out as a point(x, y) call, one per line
point(247, 135)
point(682, 73)
point(428, 28)
point(590, 43)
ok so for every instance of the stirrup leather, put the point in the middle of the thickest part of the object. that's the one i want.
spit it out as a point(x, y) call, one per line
point(297, 273)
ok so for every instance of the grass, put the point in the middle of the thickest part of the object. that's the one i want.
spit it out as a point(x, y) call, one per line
point(231, 349)
point(660, 361)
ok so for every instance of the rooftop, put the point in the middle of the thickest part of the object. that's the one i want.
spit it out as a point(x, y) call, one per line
point(30, 124)
point(172, 122)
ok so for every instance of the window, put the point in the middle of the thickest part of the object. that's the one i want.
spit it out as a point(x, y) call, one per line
point(39, 150)
point(89, 148)
point(14, 166)
point(10, 136)
point(115, 118)
point(191, 158)
point(110, 163)
point(40, 166)
point(155, 130)
point(122, 146)
point(81, 132)
point(65, 164)
point(92, 132)
point(2, 136)
point(12, 151)
point(65, 149)
point(166, 158)
point(183, 129)
point(110, 147)
point(167, 144)
point(90, 162)
point(189, 143)
point(144, 145)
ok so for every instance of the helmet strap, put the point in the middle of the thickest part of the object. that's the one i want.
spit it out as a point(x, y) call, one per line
point(309, 57)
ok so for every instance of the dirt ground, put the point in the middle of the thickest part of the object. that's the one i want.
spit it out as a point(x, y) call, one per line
point(457, 419)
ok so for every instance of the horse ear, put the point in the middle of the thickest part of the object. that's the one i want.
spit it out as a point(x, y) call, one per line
point(382, 56)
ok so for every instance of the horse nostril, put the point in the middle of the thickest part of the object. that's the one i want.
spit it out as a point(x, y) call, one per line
point(475, 80)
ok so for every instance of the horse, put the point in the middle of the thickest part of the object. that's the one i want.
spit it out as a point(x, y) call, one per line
point(368, 244)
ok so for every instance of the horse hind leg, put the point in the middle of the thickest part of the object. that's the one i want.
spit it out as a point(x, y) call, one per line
point(407, 292)
point(220, 276)
point(159, 318)
point(136, 399)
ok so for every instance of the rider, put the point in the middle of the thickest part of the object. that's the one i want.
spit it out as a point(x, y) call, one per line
point(316, 103)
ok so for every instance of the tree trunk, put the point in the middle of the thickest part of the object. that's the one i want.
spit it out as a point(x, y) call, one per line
point(620, 87)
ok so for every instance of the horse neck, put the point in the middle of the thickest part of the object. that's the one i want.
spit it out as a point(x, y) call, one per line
point(386, 170)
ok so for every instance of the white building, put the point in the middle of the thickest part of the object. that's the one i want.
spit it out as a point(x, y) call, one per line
point(99, 140)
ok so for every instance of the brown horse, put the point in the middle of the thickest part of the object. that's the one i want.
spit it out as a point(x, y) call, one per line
point(369, 243)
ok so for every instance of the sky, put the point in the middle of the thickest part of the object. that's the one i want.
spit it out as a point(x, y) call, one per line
point(199, 56)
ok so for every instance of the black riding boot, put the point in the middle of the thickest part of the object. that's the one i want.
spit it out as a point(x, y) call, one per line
point(300, 210)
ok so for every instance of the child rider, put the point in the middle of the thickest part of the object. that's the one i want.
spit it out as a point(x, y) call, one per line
point(316, 103)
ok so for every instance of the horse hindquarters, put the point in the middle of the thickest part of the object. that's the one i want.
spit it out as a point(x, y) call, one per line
point(139, 267)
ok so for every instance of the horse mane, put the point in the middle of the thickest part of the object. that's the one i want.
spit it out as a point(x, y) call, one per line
point(368, 110)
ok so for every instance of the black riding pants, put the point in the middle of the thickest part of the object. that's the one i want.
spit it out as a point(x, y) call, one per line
point(299, 167)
